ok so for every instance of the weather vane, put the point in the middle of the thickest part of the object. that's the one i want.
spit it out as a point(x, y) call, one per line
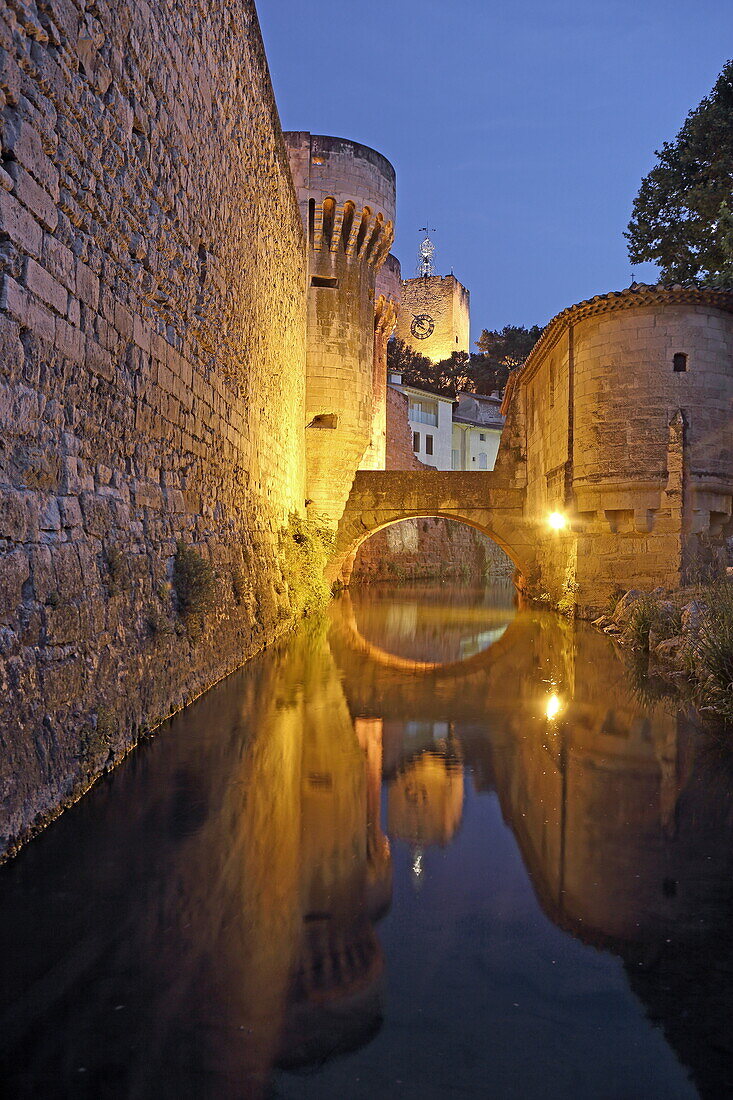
point(425, 265)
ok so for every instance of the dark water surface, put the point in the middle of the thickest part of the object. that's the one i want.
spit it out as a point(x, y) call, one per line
point(430, 847)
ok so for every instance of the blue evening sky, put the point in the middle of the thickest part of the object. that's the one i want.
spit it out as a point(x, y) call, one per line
point(521, 129)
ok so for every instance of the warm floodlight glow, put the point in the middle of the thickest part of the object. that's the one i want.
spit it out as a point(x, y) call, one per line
point(553, 706)
point(556, 521)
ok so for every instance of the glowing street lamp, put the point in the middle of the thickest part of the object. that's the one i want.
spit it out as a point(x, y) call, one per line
point(557, 521)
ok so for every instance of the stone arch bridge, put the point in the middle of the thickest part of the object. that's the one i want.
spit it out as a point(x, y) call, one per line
point(618, 422)
point(380, 498)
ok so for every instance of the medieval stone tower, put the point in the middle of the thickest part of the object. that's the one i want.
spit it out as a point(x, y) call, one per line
point(435, 316)
point(346, 194)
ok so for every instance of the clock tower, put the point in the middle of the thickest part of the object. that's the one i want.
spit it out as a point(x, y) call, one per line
point(434, 318)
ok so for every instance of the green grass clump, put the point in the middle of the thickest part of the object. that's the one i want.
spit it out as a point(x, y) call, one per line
point(305, 547)
point(194, 582)
point(648, 617)
point(713, 649)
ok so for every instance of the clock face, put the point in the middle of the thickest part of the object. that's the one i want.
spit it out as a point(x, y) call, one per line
point(422, 326)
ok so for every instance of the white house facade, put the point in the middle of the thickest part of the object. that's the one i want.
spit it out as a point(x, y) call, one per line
point(431, 423)
point(477, 426)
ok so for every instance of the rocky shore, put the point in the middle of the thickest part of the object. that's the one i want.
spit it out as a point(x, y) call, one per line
point(683, 638)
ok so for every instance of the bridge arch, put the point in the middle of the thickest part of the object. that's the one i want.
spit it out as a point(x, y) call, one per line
point(381, 498)
point(345, 627)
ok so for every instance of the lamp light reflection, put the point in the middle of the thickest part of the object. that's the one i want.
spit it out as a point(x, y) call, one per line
point(553, 706)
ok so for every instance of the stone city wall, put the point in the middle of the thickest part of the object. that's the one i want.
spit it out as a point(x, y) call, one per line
point(152, 332)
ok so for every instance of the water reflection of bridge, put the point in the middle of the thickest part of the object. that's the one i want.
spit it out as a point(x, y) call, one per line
point(624, 824)
point(258, 902)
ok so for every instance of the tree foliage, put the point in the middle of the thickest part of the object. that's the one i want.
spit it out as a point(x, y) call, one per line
point(499, 353)
point(502, 351)
point(681, 218)
point(402, 359)
point(510, 346)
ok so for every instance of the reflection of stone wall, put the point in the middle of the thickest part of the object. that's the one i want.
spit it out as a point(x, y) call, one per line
point(152, 342)
point(427, 548)
point(426, 801)
point(197, 986)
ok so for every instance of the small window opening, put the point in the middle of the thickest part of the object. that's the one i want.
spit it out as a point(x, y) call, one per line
point(416, 441)
point(324, 282)
point(679, 362)
point(456, 339)
point(482, 436)
point(428, 444)
point(321, 780)
point(325, 420)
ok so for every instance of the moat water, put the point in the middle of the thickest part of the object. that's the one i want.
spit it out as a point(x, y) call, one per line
point(431, 846)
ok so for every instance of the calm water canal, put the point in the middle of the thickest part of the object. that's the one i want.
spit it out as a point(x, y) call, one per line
point(430, 847)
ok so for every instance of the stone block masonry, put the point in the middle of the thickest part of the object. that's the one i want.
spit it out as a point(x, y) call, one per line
point(346, 193)
point(152, 372)
point(448, 305)
point(622, 415)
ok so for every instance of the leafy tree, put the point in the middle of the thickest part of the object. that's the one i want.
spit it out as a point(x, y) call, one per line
point(681, 219)
point(501, 351)
point(723, 277)
point(483, 373)
point(418, 371)
point(489, 375)
point(510, 346)
point(402, 359)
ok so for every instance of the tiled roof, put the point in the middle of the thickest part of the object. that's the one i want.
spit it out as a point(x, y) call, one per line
point(634, 297)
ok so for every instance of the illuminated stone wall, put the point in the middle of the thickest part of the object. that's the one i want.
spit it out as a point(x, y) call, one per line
point(152, 327)
point(447, 302)
point(388, 296)
point(637, 454)
point(346, 193)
